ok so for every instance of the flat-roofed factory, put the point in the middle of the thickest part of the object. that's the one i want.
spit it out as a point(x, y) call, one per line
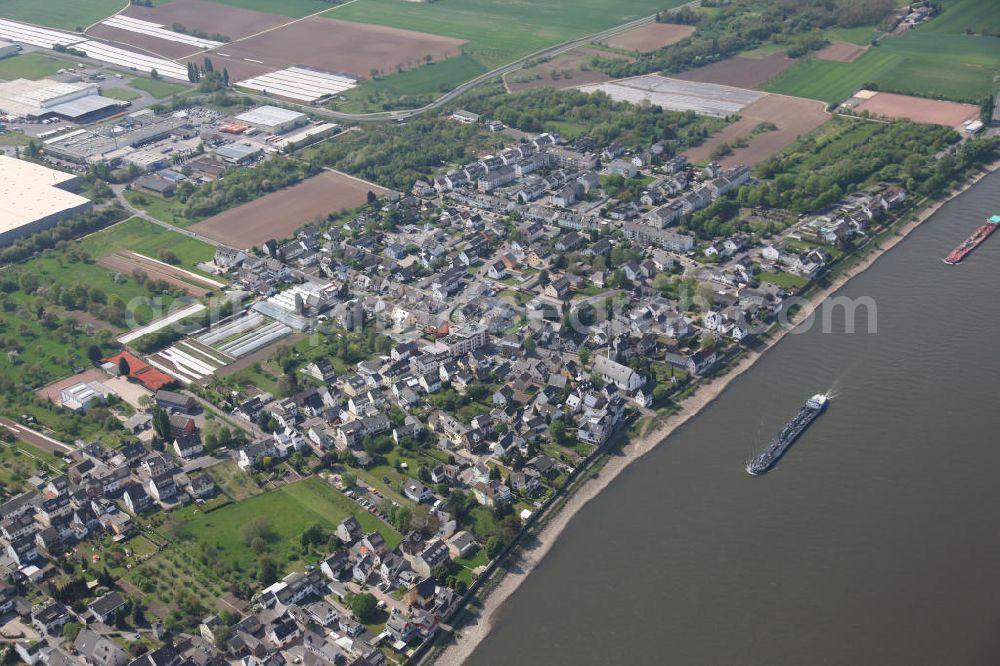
point(34, 198)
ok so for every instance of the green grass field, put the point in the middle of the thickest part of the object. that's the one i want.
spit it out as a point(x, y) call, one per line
point(966, 16)
point(162, 208)
point(30, 65)
point(862, 36)
point(499, 31)
point(147, 238)
point(123, 94)
point(158, 89)
point(65, 14)
point(289, 510)
point(783, 280)
point(955, 67)
point(432, 78)
point(291, 8)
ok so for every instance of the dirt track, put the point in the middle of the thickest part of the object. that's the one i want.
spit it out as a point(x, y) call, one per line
point(739, 71)
point(793, 116)
point(841, 52)
point(280, 213)
point(918, 109)
point(651, 36)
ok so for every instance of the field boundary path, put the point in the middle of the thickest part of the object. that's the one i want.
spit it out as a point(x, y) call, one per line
point(461, 89)
point(36, 438)
point(119, 191)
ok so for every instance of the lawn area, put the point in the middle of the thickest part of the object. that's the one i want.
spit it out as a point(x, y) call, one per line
point(146, 238)
point(961, 16)
point(19, 461)
point(124, 94)
point(14, 139)
point(568, 130)
point(233, 481)
point(29, 65)
point(291, 8)
point(158, 89)
point(289, 511)
point(64, 14)
point(783, 280)
point(499, 31)
point(954, 67)
point(862, 35)
point(431, 78)
point(166, 209)
point(255, 376)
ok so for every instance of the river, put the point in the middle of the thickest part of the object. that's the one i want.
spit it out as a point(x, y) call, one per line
point(874, 540)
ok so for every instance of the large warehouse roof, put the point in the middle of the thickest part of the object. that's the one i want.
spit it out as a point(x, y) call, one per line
point(30, 192)
point(270, 116)
point(24, 97)
point(84, 106)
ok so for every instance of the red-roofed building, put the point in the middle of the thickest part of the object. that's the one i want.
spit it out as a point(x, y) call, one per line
point(142, 372)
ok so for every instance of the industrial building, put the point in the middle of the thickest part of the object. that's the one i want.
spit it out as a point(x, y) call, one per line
point(309, 135)
point(7, 49)
point(238, 153)
point(34, 197)
point(113, 144)
point(35, 99)
point(273, 120)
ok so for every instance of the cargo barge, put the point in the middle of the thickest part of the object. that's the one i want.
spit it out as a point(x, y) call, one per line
point(784, 439)
point(973, 241)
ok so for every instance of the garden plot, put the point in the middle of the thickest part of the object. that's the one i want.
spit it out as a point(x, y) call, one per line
point(675, 95)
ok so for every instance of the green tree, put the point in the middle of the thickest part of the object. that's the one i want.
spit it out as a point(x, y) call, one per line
point(268, 570)
point(94, 353)
point(364, 606)
point(161, 422)
point(493, 546)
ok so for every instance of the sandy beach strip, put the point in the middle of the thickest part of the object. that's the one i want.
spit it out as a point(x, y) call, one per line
point(476, 627)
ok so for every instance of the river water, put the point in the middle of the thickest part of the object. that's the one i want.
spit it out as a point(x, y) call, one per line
point(875, 540)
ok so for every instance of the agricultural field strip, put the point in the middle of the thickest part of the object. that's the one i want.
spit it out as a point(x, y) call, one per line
point(178, 363)
point(677, 95)
point(157, 30)
point(205, 354)
point(200, 279)
point(185, 360)
point(13, 31)
point(132, 60)
point(161, 323)
point(231, 328)
point(169, 369)
point(300, 83)
point(256, 339)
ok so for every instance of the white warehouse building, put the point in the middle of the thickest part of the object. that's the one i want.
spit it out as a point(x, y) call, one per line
point(34, 197)
point(273, 119)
